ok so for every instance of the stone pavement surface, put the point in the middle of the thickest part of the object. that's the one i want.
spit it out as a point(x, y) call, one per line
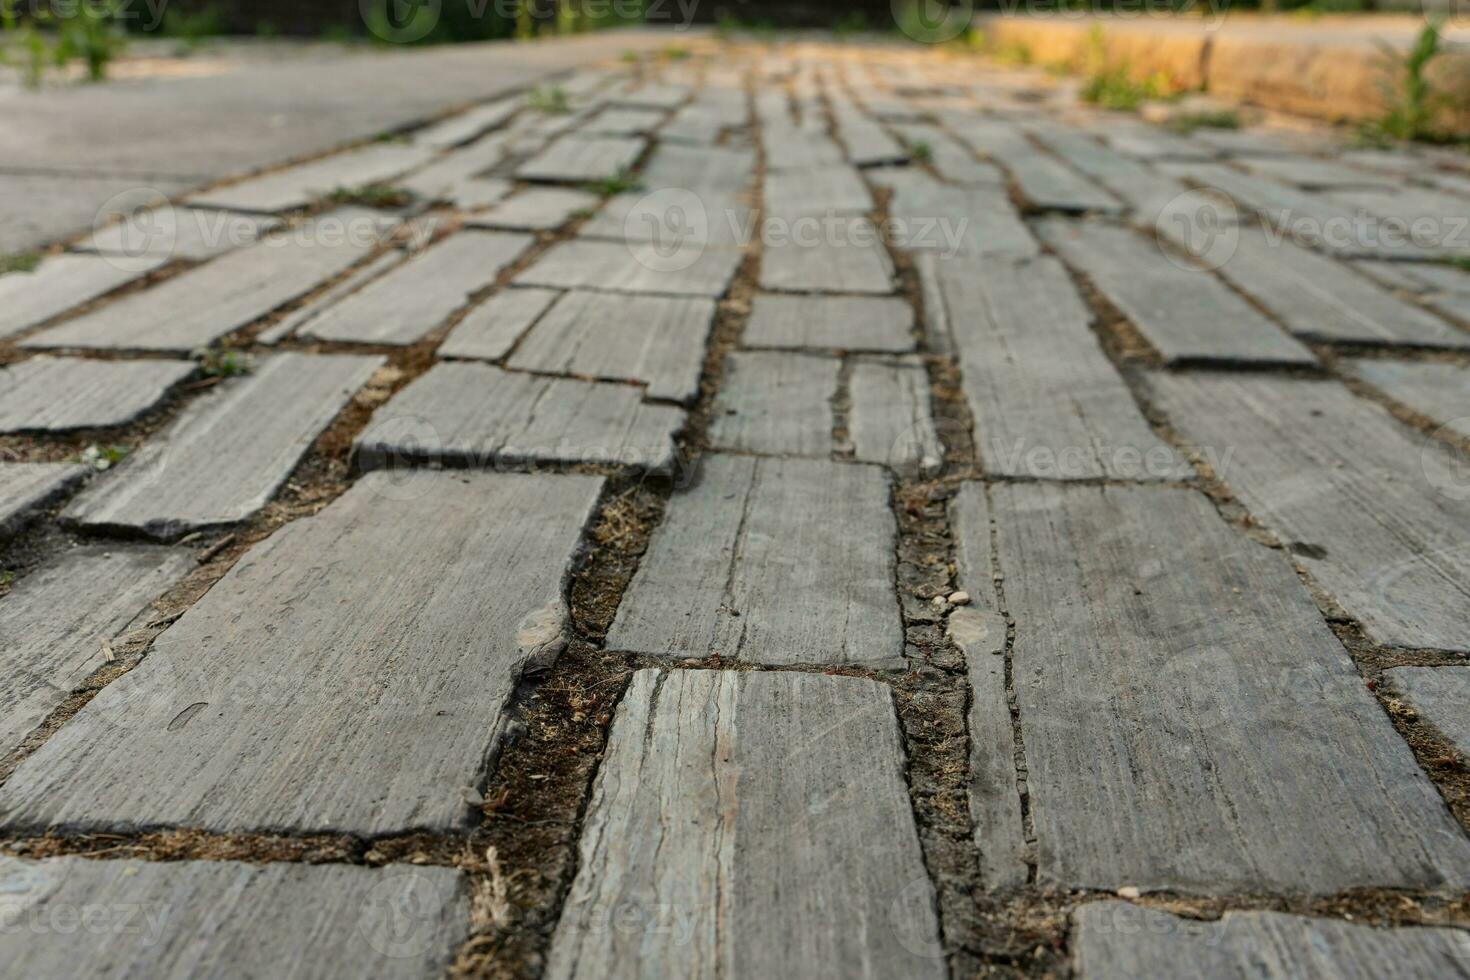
point(756, 509)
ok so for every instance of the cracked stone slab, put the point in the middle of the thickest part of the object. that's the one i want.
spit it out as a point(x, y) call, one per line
point(859, 323)
point(658, 341)
point(782, 847)
point(296, 187)
point(27, 487)
point(1187, 713)
point(55, 620)
point(417, 296)
point(1048, 403)
point(775, 403)
point(56, 394)
point(891, 418)
point(61, 283)
point(537, 209)
point(348, 675)
point(834, 255)
point(771, 561)
point(228, 453)
point(1119, 941)
point(1441, 695)
point(490, 330)
point(196, 308)
point(831, 190)
point(192, 920)
point(325, 299)
point(1375, 513)
point(632, 267)
point(578, 159)
point(933, 217)
point(471, 414)
point(179, 233)
point(460, 129)
point(1439, 391)
point(1187, 314)
point(1044, 181)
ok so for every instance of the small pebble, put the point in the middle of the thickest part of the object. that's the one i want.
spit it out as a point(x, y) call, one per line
point(1129, 891)
point(959, 599)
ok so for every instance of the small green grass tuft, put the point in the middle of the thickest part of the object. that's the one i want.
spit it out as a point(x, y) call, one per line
point(921, 152)
point(1412, 104)
point(7, 579)
point(370, 196)
point(850, 24)
point(1188, 122)
point(675, 52)
point(622, 182)
point(20, 262)
point(550, 99)
point(224, 363)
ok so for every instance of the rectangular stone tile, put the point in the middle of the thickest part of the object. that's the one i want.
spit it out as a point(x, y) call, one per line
point(348, 675)
point(1370, 509)
point(1048, 403)
point(952, 161)
point(832, 190)
point(419, 295)
point(296, 187)
point(576, 159)
point(539, 209)
point(775, 403)
point(26, 487)
point(325, 299)
point(1439, 391)
point(480, 192)
point(655, 95)
point(861, 323)
point(624, 122)
point(1188, 315)
point(468, 414)
point(1044, 181)
point(179, 233)
point(1441, 695)
point(770, 810)
point(771, 561)
point(1418, 277)
point(1151, 143)
point(466, 126)
point(1311, 173)
point(632, 267)
point(490, 330)
point(42, 208)
point(61, 283)
point(658, 341)
point(791, 148)
point(1190, 722)
point(678, 220)
point(1119, 941)
point(891, 418)
point(54, 394)
point(228, 453)
point(930, 216)
point(196, 308)
point(1431, 221)
point(54, 621)
point(441, 179)
point(1145, 191)
point(867, 143)
point(842, 255)
point(699, 168)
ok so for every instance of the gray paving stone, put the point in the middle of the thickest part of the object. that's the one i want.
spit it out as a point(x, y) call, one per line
point(1048, 403)
point(792, 148)
point(1118, 941)
point(784, 851)
point(296, 187)
point(179, 233)
point(1429, 221)
point(37, 209)
point(337, 679)
point(675, 219)
point(891, 419)
point(1417, 277)
point(1310, 173)
point(61, 283)
point(416, 297)
point(477, 193)
point(632, 267)
point(325, 299)
point(443, 178)
point(831, 190)
point(229, 452)
point(538, 209)
point(1376, 515)
point(26, 487)
point(1145, 191)
point(859, 323)
point(1044, 181)
point(659, 341)
point(1440, 391)
point(1441, 695)
point(771, 561)
point(466, 126)
point(196, 308)
point(868, 144)
point(828, 255)
point(699, 168)
point(1186, 313)
point(930, 216)
point(775, 403)
point(1150, 143)
point(576, 159)
point(656, 95)
point(625, 122)
point(470, 414)
point(224, 919)
point(490, 330)
point(54, 621)
point(1187, 712)
point(54, 394)
point(949, 158)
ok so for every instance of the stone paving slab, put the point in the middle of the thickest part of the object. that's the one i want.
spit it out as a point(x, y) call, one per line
point(891, 418)
point(624, 122)
point(1145, 191)
point(1417, 277)
point(227, 453)
point(1315, 465)
point(655, 95)
point(38, 208)
point(337, 679)
point(775, 403)
point(298, 186)
point(467, 126)
point(625, 267)
point(1441, 695)
point(577, 159)
point(1432, 218)
point(539, 209)
point(61, 283)
point(54, 622)
point(1118, 941)
point(55, 394)
point(323, 300)
point(953, 220)
point(1186, 313)
point(198, 307)
point(771, 561)
point(954, 162)
point(658, 341)
point(416, 297)
point(1048, 403)
point(700, 169)
point(842, 255)
point(770, 809)
point(1312, 173)
point(678, 220)
point(469, 414)
point(1044, 181)
point(1187, 711)
point(443, 178)
point(190, 920)
point(490, 330)
point(831, 190)
point(179, 233)
point(1439, 391)
point(868, 144)
point(863, 323)
point(27, 487)
point(791, 148)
